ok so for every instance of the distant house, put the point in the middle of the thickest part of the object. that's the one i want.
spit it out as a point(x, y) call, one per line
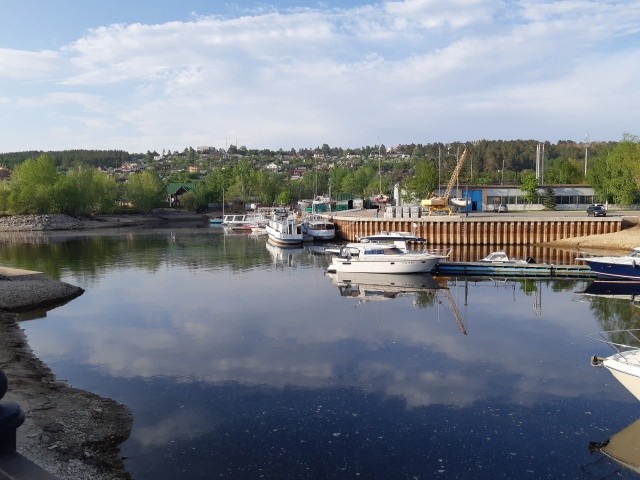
point(176, 190)
point(272, 167)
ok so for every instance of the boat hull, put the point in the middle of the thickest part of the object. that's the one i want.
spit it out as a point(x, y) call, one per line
point(625, 367)
point(608, 269)
point(406, 265)
point(284, 234)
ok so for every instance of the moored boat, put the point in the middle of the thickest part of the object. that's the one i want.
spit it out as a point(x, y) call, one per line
point(372, 257)
point(283, 229)
point(318, 228)
point(502, 257)
point(245, 220)
point(624, 365)
point(622, 266)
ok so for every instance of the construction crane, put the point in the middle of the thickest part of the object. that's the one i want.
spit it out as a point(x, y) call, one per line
point(441, 203)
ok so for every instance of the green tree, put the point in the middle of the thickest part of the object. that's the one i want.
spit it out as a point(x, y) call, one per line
point(549, 200)
point(145, 191)
point(32, 186)
point(615, 174)
point(284, 198)
point(84, 191)
point(529, 185)
point(562, 171)
point(423, 182)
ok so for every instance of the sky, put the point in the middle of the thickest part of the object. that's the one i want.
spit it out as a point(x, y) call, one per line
point(142, 75)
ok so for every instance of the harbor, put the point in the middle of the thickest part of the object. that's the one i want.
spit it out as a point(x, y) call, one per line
point(352, 371)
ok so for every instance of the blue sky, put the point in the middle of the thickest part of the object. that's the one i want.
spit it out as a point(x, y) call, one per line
point(154, 75)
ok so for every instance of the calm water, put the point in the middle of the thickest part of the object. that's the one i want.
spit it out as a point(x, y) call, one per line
point(242, 361)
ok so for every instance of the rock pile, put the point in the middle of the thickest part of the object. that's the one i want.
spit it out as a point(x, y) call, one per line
point(16, 223)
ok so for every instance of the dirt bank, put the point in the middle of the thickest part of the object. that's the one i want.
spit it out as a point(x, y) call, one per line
point(71, 433)
point(616, 242)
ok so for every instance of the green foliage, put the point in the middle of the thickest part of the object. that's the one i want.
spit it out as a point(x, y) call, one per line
point(145, 191)
point(36, 187)
point(284, 198)
point(32, 186)
point(424, 181)
point(67, 158)
point(562, 171)
point(549, 200)
point(615, 175)
point(529, 185)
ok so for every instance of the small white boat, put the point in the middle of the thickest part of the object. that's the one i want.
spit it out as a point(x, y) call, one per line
point(372, 257)
point(622, 266)
point(283, 229)
point(502, 257)
point(624, 365)
point(244, 221)
point(460, 201)
point(318, 228)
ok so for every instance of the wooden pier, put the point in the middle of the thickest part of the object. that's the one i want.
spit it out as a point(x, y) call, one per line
point(480, 231)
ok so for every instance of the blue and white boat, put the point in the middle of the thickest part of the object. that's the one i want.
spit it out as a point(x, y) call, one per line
point(622, 266)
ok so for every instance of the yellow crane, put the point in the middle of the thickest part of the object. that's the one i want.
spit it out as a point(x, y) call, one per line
point(441, 203)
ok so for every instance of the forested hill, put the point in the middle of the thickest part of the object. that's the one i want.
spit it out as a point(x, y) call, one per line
point(67, 158)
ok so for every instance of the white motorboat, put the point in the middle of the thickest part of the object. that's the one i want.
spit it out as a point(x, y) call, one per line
point(283, 229)
point(318, 228)
point(624, 365)
point(502, 257)
point(622, 266)
point(372, 257)
point(244, 221)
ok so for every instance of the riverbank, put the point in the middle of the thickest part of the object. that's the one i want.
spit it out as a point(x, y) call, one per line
point(68, 432)
point(52, 222)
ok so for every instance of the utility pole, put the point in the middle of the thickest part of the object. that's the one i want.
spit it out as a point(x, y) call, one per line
point(586, 153)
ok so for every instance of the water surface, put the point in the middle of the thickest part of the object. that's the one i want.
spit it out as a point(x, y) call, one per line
point(241, 360)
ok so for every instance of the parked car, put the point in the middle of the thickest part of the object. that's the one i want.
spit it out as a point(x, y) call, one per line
point(502, 208)
point(596, 210)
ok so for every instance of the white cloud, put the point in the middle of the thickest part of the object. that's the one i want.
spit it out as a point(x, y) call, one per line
point(402, 71)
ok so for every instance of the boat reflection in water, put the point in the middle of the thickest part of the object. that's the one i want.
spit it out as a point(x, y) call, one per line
point(382, 286)
point(623, 447)
point(368, 287)
point(615, 289)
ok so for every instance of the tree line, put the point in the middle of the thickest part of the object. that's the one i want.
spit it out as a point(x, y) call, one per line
point(66, 183)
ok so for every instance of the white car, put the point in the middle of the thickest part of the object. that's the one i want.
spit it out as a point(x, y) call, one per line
point(502, 208)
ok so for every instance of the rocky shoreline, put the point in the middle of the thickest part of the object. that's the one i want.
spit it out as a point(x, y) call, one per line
point(68, 432)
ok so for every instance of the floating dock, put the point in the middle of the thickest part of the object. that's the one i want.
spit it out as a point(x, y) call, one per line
point(514, 269)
